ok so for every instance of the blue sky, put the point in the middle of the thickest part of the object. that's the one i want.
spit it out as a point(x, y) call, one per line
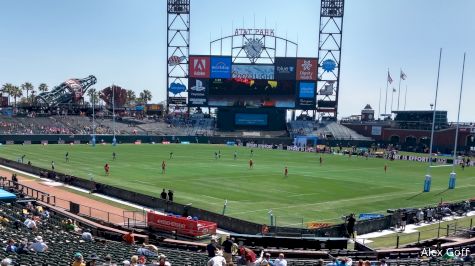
point(124, 42)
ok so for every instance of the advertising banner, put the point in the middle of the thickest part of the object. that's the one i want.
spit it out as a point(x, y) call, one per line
point(253, 71)
point(306, 95)
point(198, 92)
point(199, 66)
point(376, 130)
point(220, 67)
point(238, 86)
point(367, 216)
point(285, 68)
point(250, 119)
point(177, 100)
point(307, 69)
point(181, 225)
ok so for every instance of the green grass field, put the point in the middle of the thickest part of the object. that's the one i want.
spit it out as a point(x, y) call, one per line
point(310, 193)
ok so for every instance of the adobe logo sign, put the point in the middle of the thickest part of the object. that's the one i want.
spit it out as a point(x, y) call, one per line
point(199, 66)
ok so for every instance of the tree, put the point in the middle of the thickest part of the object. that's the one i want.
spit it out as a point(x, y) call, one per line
point(43, 87)
point(145, 96)
point(27, 86)
point(8, 89)
point(131, 96)
point(16, 93)
point(93, 96)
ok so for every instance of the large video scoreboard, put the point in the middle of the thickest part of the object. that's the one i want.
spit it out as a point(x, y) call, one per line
point(289, 83)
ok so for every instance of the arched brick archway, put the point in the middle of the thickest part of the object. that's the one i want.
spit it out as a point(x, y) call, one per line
point(394, 139)
point(410, 141)
point(470, 141)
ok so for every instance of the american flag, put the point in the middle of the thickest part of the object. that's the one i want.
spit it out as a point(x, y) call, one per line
point(403, 75)
point(390, 80)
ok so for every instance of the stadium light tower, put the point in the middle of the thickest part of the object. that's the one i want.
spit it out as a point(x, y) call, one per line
point(178, 51)
point(329, 57)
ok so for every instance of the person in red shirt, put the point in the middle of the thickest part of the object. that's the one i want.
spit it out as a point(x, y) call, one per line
point(129, 238)
point(286, 171)
point(251, 164)
point(164, 166)
point(247, 254)
point(106, 168)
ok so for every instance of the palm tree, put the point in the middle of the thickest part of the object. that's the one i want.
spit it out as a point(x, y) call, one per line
point(7, 88)
point(145, 96)
point(16, 93)
point(93, 95)
point(131, 96)
point(43, 87)
point(27, 86)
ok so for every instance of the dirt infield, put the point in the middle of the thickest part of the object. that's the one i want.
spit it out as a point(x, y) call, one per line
point(88, 206)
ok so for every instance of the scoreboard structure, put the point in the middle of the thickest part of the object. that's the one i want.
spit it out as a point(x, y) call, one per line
point(254, 68)
point(289, 83)
point(252, 78)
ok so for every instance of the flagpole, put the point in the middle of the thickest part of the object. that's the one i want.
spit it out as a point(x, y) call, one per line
point(387, 85)
point(392, 100)
point(399, 90)
point(458, 116)
point(405, 98)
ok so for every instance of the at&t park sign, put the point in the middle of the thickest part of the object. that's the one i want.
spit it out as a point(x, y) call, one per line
point(267, 32)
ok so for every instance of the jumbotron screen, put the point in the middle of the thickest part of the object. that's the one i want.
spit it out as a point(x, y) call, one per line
point(214, 81)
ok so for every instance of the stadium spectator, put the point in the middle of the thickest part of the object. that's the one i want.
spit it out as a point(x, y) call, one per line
point(108, 261)
point(217, 260)
point(148, 251)
point(227, 249)
point(247, 256)
point(382, 263)
point(267, 258)
point(170, 195)
point(39, 245)
point(92, 260)
point(11, 246)
point(6, 262)
point(403, 221)
point(212, 248)
point(134, 260)
point(280, 261)
point(30, 223)
point(163, 261)
point(163, 195)
point(333, 262)
point(22, 247)
point(321, 262)
point(430, 214)
point(70, 225)
point(129, 238)
point(142, 261)
point(87, 236)
point(350, 225)
point(420, 216)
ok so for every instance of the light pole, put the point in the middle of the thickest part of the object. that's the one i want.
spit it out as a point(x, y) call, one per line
point(114, 140)
point(93, 117)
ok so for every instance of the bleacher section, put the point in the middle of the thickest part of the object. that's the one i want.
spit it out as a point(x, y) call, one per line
point(301, 127)
point(337, 131)
point(62, 244)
